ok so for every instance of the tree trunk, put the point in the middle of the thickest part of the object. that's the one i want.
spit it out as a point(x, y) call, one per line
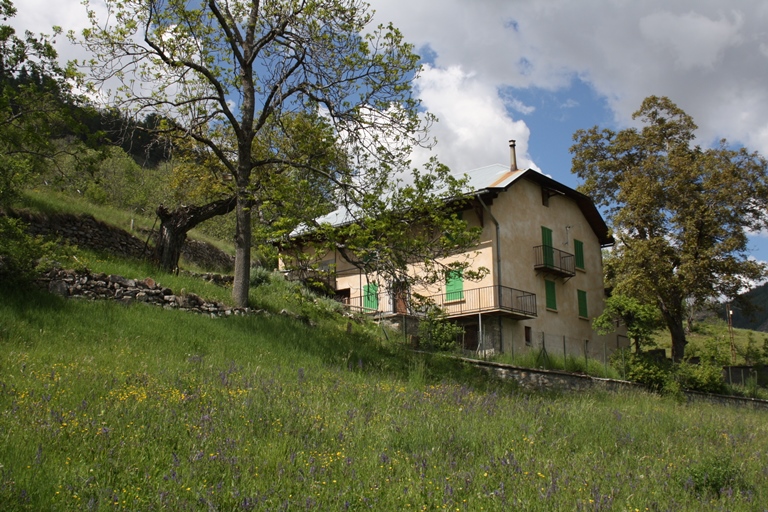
point(175, 224)
point(677, 331)
point(242, 278)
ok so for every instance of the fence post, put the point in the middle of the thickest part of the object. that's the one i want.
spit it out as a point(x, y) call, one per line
point(605, 357)
point(565, 356)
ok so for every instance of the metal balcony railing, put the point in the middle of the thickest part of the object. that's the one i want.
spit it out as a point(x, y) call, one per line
point(554, 261)
point(500, 299)
point(487, 299)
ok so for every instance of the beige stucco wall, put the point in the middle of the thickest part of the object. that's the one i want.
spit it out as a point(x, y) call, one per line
point(521, 214)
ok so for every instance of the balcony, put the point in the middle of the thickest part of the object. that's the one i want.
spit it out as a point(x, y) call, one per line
point(490, 299)
point(554, 261)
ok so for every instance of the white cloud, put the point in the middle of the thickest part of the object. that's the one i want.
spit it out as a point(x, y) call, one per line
point(474, 126)
point(709, 57)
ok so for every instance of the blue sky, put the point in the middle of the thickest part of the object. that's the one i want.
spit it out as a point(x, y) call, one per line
point(538, 70)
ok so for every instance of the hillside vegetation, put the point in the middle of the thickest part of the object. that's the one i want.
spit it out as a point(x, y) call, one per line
point(106, 406)
point(136, 408)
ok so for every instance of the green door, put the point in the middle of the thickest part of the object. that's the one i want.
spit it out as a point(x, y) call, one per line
point(547, 250)
point(371, 296)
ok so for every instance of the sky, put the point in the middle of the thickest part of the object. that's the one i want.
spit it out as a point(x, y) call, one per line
point(538, 70)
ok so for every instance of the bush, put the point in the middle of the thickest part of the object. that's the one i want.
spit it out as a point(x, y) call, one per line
point(20, 253)
point(436, 331)
point(259, 276)
point(705, 377)
point(643, 369)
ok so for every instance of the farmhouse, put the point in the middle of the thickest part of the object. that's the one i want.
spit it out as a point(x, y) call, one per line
point(541, 243)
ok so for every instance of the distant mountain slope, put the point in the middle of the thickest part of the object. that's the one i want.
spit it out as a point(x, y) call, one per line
point(758, 319)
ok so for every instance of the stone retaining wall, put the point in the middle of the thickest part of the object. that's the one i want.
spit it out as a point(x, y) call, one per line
point(86, 232)
point(537, 379)
point(83, 284)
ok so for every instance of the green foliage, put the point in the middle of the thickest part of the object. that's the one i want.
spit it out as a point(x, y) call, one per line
point(260, 276)
point(436, 332)
point(715, 350)
point(641, 320)
point(678, 212)
point(33, 99)
point(705, 377)
point(20, 253)
point(713, 476)
point(642, 368)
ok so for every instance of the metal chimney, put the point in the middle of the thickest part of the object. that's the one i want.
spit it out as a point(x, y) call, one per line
point(512, 156)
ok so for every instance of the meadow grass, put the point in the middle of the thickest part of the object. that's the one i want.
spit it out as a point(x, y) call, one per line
point(51, 202)
point(108, 407)
point(535, 358)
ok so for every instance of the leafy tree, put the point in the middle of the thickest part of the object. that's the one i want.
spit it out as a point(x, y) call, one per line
point(32, 89)
point(283, 196)
point(226, 72)
point(641, 320)
point(679, 212)
point(34, 101)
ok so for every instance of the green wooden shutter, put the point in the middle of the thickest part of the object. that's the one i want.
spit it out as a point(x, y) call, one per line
point(550, 294)
point(371, 296)
point(454, 286)
point(548, 251)
point(582, 296)
point(578, 247)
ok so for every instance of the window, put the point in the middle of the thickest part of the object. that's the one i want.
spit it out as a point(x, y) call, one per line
point(550, 294)
point(547, 249)
point(578, 247)
point(544, 197)
point(454, 286)
point(582, 296)
point(371, 296)
point(528, 336)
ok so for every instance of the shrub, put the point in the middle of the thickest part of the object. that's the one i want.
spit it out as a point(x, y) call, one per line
point(436, 331)
point(643, 369)
point(705, 377)
point(260, 276)
point(20, 253)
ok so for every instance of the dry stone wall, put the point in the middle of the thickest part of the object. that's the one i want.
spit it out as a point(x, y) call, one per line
point(99, 286)
point(86, 232)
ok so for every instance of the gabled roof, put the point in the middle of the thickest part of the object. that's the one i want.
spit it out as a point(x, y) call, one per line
point(495, 178)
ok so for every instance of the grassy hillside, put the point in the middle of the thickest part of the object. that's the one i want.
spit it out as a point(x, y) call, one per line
point(711, 338)
point(136, 408)
point(112, 407)
point(758, 318)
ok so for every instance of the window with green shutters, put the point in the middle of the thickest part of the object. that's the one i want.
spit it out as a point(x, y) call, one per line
point(549, 288)
point(371, 296)
point(582, 296)
point(548, 251)
point(454, 286)
point(578, 246)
